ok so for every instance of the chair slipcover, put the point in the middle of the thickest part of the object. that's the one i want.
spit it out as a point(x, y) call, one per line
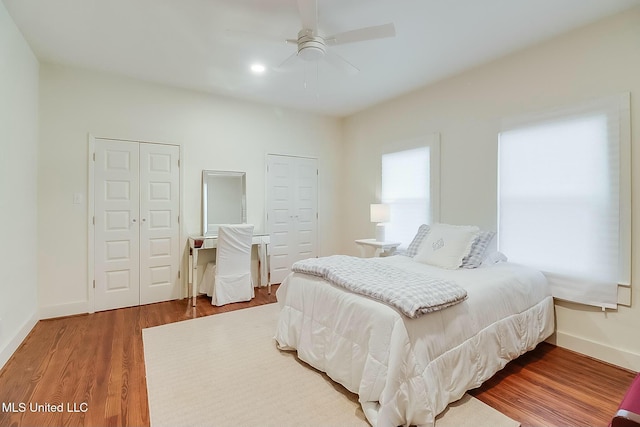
point(231, 273)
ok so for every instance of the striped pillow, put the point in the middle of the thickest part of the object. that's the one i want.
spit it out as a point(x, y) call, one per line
point(414, 246)
point(478, 250)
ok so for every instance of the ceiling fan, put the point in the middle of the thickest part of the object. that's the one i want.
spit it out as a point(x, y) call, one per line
point(313, 47)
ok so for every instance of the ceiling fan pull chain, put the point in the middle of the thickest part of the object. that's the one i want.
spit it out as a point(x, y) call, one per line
point(317, 81)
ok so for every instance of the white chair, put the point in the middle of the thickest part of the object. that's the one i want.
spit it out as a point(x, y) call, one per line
point(229, 278)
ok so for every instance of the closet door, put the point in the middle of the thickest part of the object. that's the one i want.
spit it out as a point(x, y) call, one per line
point(136, 231)
point(292, 211)
point(159, 228)
point(305, 244)
point(117, 233)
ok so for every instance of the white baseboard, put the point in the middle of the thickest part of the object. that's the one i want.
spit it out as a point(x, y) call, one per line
point(615, 356)
point(70, 309)
point(15, 342)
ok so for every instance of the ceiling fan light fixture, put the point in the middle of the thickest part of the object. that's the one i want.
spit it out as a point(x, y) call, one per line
point(311, 53)
point(310, 46)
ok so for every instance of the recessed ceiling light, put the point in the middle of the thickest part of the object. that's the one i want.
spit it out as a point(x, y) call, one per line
point(258, 68)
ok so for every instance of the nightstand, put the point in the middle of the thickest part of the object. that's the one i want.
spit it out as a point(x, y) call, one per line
point(379, 248)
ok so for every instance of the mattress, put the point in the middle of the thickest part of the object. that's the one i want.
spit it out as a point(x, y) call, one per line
point(406, 371)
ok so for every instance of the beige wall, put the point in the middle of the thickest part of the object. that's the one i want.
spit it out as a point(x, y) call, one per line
point(599, 60)
point(18, 179)
point(214, 133)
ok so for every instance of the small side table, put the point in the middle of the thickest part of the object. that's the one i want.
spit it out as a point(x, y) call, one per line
point(381, 248)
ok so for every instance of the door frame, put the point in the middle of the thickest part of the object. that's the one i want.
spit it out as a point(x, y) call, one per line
point(91, 144)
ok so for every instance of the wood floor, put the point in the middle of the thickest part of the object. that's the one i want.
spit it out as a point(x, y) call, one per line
point(94, 366)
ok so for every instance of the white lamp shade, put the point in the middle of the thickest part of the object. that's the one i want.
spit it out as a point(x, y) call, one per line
point(380, 212)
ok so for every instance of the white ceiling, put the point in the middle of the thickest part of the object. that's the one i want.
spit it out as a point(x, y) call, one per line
point(185, 43)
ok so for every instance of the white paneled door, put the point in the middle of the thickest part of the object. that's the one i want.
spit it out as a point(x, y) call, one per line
point(159, 229)
point(306, 208)
point(117, 232)
point(292, 211)
point(136, 231)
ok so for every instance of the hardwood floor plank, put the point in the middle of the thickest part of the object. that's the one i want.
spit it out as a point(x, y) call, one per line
point(100, 336)
point(556, 387)
point(98, 359)
point(140, 408)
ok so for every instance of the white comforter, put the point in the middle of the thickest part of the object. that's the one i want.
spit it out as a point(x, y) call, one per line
point(406, 371)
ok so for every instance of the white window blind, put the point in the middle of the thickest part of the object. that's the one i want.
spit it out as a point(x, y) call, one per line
point(564, 199)
point(409, 187)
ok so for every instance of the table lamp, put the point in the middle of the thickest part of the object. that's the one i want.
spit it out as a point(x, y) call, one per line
point(380, 213)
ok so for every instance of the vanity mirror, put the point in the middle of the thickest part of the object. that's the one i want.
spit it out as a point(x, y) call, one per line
point(223, 200)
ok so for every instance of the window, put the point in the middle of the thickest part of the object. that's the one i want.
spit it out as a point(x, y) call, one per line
point(410, 186)
point(563, 196)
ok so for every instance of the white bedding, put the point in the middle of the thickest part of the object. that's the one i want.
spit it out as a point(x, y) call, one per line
point(406, 371)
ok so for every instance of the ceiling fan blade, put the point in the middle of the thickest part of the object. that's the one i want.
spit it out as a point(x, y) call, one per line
point(362, 34)
point(288, 63)
point(340, 63)
point(309, 14)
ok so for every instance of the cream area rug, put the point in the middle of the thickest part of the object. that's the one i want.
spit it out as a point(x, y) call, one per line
point(225, 370)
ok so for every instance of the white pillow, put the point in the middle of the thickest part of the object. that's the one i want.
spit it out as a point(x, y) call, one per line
point(446, 245)
point(494, 258)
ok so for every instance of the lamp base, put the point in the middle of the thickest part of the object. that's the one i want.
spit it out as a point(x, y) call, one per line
point(379, 232)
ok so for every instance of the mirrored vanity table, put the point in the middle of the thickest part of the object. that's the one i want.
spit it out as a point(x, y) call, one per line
point(224, 202)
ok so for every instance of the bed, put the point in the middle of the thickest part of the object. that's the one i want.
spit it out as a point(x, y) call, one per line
point(404, 370)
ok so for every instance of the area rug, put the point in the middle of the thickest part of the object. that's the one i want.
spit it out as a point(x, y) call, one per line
point(225, 370)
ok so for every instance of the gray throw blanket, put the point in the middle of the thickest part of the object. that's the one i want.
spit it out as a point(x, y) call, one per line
point(411, 293)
